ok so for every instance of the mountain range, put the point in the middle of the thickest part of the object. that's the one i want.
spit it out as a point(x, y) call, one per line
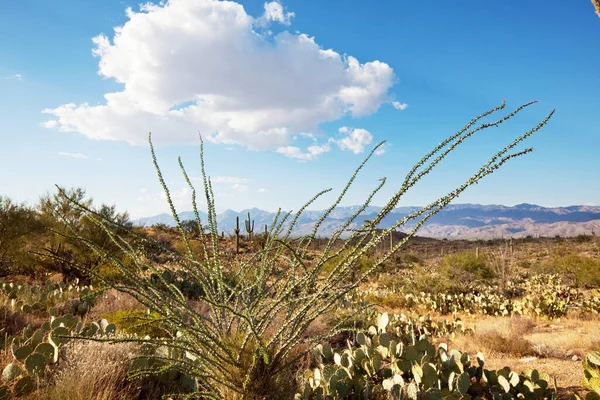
point(458, 221)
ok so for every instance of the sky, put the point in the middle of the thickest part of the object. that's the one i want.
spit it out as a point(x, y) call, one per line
point(290, 97)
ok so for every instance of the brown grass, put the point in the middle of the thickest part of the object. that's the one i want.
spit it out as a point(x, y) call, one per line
point(549, 346)
point(499, 337)
point(92, 371)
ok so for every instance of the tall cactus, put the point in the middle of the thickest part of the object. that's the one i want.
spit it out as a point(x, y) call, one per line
point(249, 227)
point(237, 235)
point(266, 237)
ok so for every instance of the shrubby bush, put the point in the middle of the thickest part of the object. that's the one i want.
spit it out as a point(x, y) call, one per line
point(20, 226)
point(465, 267)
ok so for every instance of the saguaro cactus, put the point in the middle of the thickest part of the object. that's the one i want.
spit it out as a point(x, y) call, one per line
point(249, 227)
point(237, 235)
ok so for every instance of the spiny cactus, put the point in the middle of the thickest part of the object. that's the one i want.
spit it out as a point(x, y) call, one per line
point(382, 362)
point(39, 299)
point(538, 295)
point(236, 231)
point(33, 356)
point(249, 227)
point(591, 373)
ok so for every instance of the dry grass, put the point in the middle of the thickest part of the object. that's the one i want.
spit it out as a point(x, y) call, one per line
point(499, 337)
point(92, 371)
point(552, 347)
point(112, 301)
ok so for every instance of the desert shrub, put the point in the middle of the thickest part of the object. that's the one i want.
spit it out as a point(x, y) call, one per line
point(465, 267)
point(363, 264)
point(513, 345)
point(109, 273)
point(140, 323)
point(69, 228)
point(583, 238)
point(19, 226)
point(251, 333)
point(428, 281)
point(400, 261)
point(387, 300)
point(583, 271)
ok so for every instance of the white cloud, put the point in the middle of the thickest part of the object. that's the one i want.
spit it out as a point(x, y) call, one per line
point(189, 66)
point(240, 187)
point(311, 152)
point(16, 77)
point(355, 140)
point(182, 198)
point(262, 190)
point(380, 151)
point(72, 155)
point(399, 106)
point(316, 150)
point(294, 152)
point(49, 124)
point(274, 12)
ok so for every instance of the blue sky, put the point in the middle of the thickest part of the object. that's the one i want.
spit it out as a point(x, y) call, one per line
point(290, 96)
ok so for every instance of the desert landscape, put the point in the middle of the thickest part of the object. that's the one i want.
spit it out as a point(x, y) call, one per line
point(308, 200)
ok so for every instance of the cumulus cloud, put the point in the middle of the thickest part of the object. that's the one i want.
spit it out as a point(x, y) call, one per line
point(49, 124)
point(355, 140)
point(399, 106)
point(72, 155)
point(202, 65)
point(274, 12)
point(16, 77)
point(310, 154)
point(262, 190)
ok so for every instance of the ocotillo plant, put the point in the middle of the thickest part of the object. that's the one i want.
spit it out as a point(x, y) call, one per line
point(237, 235)
point(249, 227)
point(256, 311)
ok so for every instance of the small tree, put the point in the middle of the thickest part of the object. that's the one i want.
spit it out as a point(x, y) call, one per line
point(69, 227)
point(19, 226)
point(257, 310)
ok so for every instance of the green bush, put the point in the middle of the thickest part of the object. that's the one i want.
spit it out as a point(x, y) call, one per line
point(465, 267)
point(140, 323)
point(584, 271)
point(19, 227)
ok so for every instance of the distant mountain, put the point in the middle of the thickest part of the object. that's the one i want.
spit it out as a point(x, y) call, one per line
point(468, 221)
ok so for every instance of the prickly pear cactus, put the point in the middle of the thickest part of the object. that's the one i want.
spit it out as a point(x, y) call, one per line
point(36, 352)
point(385, 362)
point(591, 373)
